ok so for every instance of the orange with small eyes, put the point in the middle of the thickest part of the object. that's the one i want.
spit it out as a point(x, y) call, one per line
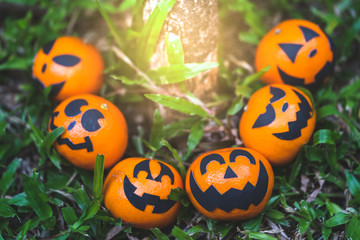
point(278, 120)
point(93, 125)
point(298, 52)
point(70, 66)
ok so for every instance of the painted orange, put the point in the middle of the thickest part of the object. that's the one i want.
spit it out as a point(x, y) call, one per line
point(244, 184)
point(278, 138)
point(89, 118)
point(311, 55)
point(151, 184)
point(83, 73)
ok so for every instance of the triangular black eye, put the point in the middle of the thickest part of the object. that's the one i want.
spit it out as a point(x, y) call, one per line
point(66, 60)
point(291, 50)
point(47, 48)
point(73, 108)
point(89, 120)
point(308, 33)
point(230, 173)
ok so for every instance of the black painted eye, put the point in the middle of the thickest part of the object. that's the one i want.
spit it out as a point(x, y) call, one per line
point(308, 33)
point(71, 125)
point(47, 48)
point(73, 108)
point(66, 60)
point(285, 106)
point(291, 50)
point(43, 68)
point(312, 53)
point(89, 120)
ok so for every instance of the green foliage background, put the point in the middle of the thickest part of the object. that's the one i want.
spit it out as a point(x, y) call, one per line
point(43, 197)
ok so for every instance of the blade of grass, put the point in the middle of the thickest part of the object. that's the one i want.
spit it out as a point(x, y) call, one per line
point(8, 176)
point(98, 177)
point(150, 33)
point(36, 198)
point(111, 25)
point(178, 104)
point(179, 72)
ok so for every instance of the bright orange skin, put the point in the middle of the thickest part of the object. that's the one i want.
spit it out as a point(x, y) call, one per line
point(110, 139)
point(215, 177)
point(270, 54)
point(277, 151)
point(84, 77)
point(120, 207)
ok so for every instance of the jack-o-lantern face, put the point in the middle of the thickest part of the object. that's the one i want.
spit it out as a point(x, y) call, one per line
point(93, 126)
point(136, 190)
point(230, 184)
point(299, 53)
point(278, 120)
point(69, 66)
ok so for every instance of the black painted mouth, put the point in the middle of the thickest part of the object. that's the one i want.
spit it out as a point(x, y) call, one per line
point(211, 199)
point(55, 88)
point(87, 144)
point(140, 202)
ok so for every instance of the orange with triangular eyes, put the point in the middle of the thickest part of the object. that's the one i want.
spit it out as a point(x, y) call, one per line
point(277, 121)
point(298, 52)
point(70, 66)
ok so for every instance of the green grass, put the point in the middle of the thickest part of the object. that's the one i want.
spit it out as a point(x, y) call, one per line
point(43, 197)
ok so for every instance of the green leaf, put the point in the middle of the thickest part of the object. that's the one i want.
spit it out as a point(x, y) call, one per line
point(326, 232)
point(19, 200)
point(81, 198)
point(8, 176)
point(150, 33)
point(178, 194)
point(5, 210)
point(333, 208)
point(324, 136)
point(157, 130)
point(50, 139)
point(296, 166)
point(353, 184)
point(197, 229)
point(178, 104)
point(98, 176)
point(254, 77)
point(69, 215)
point(174, 49)
point(353, 230)
point(253, 224)
point(36, 198)
point(180, 234)
point(159, 234)
point(196, 133)
point(274, 214)
point(24, 229)
point(179, 72)
point(236, 106)
point(338, 219)
point(257, 235)
point(176, 156)
point(110, 24)
point(179, 128)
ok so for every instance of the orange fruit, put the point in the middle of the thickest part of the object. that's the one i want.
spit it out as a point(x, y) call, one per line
point(230, 183)
point(278, 120)
point(136, 190)
point(70, 66)
point(298, 52)
point(93, 125)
